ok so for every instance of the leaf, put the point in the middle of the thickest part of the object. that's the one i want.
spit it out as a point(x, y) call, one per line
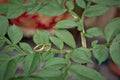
point(84, 73)
point(93, 32)
point(70, 5)
point(50, 73)
point(100, 52)
point(115, 52)
point(57, 42)
point(117, 38)
point(81, 55)
point(96, 10)
point(56, 63)
point(26, 78)
point(3, 8)
point(32, 62)
point(34, 9)
point(81, 3)
point(79, 26)
point(47, 55)
point(2, 41)
point(16, 1)
point(9, 48)
point(7, 70)
point(66, 37)
point(52, 8)
point(66, 24)
point(112, 29)
point(26, 47)
point(61, 1)
point(15, 34)
point(4, 57)
point(94, 43)
point(3, 25)
point(41, 37)
point(15, 11)
point(107, 2)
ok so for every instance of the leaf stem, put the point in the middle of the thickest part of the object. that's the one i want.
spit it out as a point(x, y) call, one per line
point(16, 46)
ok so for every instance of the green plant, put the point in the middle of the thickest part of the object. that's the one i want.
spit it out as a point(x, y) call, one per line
point(43, 54)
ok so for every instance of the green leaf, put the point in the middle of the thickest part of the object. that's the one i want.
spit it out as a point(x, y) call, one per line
point(15, 11)
point(96, 10)
point(66, 24)
point(52, 8)
point(32, 62)
point(7, 70)
point(57, 42)
point(115, 52)
point(112, 29)
point(81, 55)
point(61, 1)
point(84, 73)
point(81, 3)
point(4, 57)
point(3, 8)
point(47, 56)
point(100, 52)
point(94, 43)
point(2, 41)
point(108, 2)
point(93, 32)
point(41, 37)
point(56, 63)
point(70, 5)
point(50, 73)
point(15, 1)
point(3, 25)
point(26, 78)
point(26, 47)
point(34, 9)
point(15, 34)
point(117, 38)
point(9, 48)
point(66, 37)
point(79, 26)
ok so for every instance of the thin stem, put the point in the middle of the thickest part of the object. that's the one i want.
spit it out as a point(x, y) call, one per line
point(16, 46)
point(65, 76)
point(82, 33)
point(83, 39)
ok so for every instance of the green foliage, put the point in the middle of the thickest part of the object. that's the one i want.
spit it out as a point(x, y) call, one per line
point(81, 55)
point(107, 2)
point(112, 29)
point(100, 52)
point(15, 34)
point(52, 7)
point(15, 11)
point(3, 25)
point(70, 5)
point(7, 70)
point(84, 73)
point(49, 59)
point(96, 10)
point(94, 32)
point(41, 37)
point(64, 24)
point(66, 37)
point(26, 47)
point(31, 63)
point(50, 74)
point(115, 52)
point(81, 3)
point(56, 41)
point(56, 63)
